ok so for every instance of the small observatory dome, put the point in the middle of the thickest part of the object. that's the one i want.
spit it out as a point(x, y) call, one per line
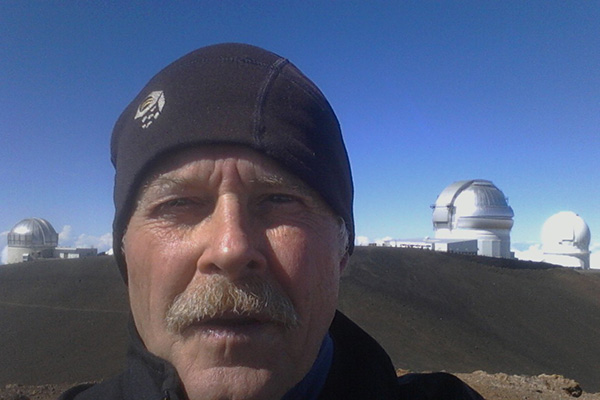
point(31, 238)
point(566, 240)
point(475, 209)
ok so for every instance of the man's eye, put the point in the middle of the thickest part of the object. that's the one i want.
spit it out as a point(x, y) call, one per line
point(281, 198)
point(176, 203)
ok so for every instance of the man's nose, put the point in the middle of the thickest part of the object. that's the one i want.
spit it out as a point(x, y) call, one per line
point(233, 241)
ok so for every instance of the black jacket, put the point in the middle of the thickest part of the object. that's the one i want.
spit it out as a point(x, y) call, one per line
point(361, 370)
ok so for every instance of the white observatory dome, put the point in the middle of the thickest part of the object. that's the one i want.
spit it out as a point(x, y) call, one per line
point(475, 209)
point(32, 237)
point(566, 240)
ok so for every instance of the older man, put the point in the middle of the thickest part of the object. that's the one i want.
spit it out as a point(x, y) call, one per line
point(233, 198)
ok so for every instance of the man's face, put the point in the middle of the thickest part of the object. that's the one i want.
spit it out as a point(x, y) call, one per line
point(228, 218)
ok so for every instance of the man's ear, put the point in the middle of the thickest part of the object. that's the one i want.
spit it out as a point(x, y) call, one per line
point(344, 261)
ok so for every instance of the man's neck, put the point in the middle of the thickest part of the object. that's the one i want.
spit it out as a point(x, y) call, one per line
point(311, 385)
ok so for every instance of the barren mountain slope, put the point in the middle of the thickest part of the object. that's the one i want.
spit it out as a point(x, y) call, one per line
point(65, 320)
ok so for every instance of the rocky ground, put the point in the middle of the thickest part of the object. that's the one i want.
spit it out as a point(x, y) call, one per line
point(511, 387)
point(490, 386)
point(25, 392)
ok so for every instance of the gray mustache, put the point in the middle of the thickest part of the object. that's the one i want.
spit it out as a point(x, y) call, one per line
point(218, 297)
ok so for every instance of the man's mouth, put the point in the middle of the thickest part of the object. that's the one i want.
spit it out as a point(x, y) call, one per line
point(232, 321)
point(231, 324)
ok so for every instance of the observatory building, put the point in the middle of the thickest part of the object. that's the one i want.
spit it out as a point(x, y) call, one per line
point(469, 217)
point(30, 239)
point(475, 210)
point(566, 240)
point(35, 238)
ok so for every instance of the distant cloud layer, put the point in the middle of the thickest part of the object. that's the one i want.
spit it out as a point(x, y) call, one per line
point(365, 241)
point(595, 256)
point(67, 239)
point(533, 253)
point(361, 241)
point(102, 243)
point(65, 235)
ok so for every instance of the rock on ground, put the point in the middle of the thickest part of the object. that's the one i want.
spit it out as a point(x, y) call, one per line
point(25, 392)
point(511, 387)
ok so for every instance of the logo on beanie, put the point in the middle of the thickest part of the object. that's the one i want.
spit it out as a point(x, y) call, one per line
point(149, 109)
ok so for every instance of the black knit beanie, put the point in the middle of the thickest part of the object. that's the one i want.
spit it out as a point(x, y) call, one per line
point(231, 94)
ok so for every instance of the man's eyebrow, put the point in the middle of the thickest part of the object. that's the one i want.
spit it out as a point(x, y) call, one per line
point(278, 182)
point(163, 183)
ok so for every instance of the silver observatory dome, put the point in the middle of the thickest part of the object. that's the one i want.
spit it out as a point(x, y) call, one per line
point(475, 209)
point(473, 204)
point(32, 233)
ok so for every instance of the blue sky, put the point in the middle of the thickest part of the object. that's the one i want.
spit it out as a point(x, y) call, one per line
point(427, 93)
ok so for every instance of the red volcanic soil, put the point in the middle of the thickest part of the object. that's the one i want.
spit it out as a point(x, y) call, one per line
point(64, 321)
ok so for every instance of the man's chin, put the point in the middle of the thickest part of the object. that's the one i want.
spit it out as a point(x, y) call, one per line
point(236, 359)
point(246, 361)
point(235, 382)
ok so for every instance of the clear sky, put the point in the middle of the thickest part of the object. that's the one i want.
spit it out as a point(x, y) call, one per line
point(427, 93)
